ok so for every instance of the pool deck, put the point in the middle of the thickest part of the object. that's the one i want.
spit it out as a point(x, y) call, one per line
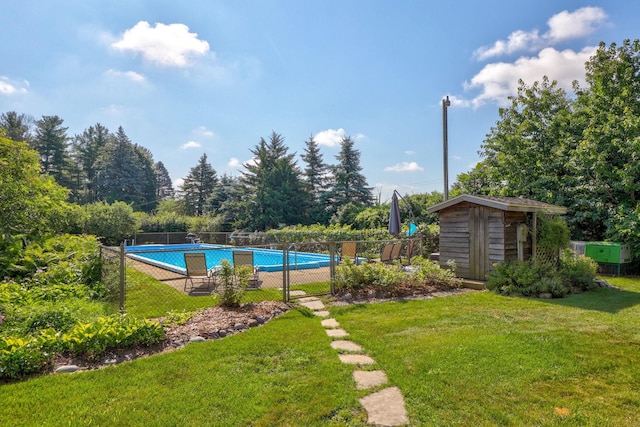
point(268, 279)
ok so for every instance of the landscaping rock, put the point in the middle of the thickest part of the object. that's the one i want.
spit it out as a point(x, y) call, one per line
point(197, 338)
point(252, 323)
point(66, 369)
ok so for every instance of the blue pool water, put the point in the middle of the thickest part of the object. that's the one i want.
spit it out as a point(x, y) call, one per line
point(171, 257)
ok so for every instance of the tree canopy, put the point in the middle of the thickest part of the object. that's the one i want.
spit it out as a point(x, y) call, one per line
point(581, 150)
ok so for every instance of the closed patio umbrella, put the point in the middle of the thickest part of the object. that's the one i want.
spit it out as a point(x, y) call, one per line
point(394, 216)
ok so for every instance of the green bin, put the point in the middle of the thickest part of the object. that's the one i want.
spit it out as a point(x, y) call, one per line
point(608, 252)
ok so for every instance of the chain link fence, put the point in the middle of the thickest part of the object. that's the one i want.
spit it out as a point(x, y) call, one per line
point(113, 275)
point(283, 271)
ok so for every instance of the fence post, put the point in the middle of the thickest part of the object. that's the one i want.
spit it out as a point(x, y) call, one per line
point(332, 266)
point(285, 273)
point(123, 278)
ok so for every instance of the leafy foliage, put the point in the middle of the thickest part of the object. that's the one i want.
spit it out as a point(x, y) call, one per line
point(577, 151)
point(112, 222)
point(390, 278)
point(31, 204)
point(574, 274)
point(234, 283)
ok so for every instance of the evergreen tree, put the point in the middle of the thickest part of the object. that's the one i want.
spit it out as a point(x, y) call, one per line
point(198, 187)
point(274, 194)
point(85, 151)
point(51, 141)
point(316, 175)
point(349, 185)
point(124, 172)
point(163, 180)
point(17, 127)
point(221, 201)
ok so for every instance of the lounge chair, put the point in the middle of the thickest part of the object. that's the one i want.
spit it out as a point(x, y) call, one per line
point(408, 253)
point(349, 251)
point(390, 252)
point(245, 258)
point(196, 268)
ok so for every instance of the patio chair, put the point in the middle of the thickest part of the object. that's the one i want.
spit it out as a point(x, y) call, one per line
point(390, 252)
point(408, 253)
point(245, 258)
point(196, 269)
point(348, 250)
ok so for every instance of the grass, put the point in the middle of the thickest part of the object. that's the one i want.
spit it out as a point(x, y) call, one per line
point(473, 359)
point(150, 298)
point(483, 359)
point(284, 373)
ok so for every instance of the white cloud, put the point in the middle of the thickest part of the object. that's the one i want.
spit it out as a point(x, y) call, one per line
point(166, 45)
point(330, 137)
point(129, 75)
point(8, 87)
point(409, 152)
point(563, 26)
point(571, 25)
point(499, 80)
point(404, 167)
point(190, 144)
point(177, 184)
point(234, 163)
point(204, 132)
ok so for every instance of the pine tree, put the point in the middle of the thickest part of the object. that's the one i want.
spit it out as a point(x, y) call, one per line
point(163, 180)
point(51, 141)
point(124, 172)
point(349, 185)
point(17, 127)
point(85, 151)
point(198, 187)
point(316, 179)
point(274, 194)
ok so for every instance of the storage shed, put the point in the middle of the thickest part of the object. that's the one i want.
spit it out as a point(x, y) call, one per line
point(479, 231)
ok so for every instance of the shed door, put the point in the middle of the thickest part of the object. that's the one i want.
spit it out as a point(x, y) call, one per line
point(478, 242)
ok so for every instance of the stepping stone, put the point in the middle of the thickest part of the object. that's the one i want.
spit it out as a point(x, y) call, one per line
point(330, 323)
point(385, 408)
point(321, 313)
point(312, 304)
point(337, 333)
point(345, 345)
point(297, 293)
point(369, 379)
point(356, 359)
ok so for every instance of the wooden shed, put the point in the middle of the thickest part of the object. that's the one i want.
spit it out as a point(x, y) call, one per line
point(479, 231)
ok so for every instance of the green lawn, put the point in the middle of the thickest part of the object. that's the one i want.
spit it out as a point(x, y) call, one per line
point(483, 359)
point(474, 359)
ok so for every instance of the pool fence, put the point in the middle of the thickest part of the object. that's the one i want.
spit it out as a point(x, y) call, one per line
point(294, 277)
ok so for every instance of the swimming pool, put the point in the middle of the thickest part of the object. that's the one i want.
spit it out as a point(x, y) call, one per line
point(171, 257)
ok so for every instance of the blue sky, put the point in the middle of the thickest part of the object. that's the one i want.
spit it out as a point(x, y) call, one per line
point(192, 77)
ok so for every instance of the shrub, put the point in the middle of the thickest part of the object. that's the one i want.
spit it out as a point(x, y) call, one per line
point(234, 283)
point(92, 339)
point(427, 271)
point(578, 271)
point(59, 319)
point(20, 357)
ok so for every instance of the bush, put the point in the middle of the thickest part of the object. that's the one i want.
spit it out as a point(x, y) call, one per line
point(92, 339)
point(234, 283)
point(578, 271)
point(112, 223)
point(59, 319)
point(515, 277)
point(20, 357)
point(388, 278)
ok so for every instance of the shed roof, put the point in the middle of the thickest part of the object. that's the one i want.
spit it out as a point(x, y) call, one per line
point(515, 204)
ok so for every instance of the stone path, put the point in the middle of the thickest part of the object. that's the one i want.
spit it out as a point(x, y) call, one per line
point(384, 407)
